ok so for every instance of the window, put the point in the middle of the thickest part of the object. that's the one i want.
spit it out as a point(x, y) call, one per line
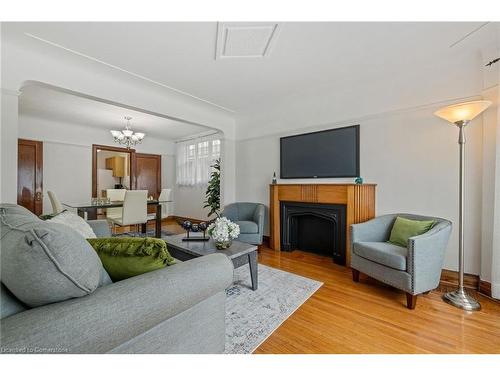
point(194, 160)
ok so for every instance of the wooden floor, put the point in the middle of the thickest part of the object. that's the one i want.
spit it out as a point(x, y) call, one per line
point(369, 317)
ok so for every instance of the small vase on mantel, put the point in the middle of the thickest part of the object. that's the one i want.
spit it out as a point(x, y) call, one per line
point(274, 179)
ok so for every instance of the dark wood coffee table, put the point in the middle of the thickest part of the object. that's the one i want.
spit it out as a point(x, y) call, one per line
point(240, 253)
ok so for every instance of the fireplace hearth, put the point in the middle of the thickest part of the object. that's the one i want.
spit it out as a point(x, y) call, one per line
point(314, 227)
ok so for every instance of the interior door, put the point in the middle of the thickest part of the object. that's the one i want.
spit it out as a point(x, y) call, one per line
point(148, 173)
point(30, 175)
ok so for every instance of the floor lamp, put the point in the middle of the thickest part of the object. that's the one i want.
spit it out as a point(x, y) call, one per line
point(461, 115)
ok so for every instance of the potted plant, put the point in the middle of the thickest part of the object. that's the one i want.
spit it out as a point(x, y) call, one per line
point(222, 230)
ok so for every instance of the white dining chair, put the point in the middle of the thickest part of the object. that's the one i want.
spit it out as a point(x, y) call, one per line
point(115, 195)
point(135, 209)
point(55, 202)
point(166, 197)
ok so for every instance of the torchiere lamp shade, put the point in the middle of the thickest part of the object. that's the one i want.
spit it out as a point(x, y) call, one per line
point(463, 111)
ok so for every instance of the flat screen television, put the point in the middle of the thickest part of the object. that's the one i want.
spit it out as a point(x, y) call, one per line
point(323, 154)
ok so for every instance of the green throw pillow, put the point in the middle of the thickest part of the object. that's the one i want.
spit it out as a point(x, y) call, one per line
point(128, 256)
point(406, 228)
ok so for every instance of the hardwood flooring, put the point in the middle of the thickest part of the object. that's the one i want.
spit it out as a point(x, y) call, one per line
point(370, 317)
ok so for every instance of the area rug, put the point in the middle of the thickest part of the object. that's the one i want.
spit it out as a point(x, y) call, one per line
point(252, 316)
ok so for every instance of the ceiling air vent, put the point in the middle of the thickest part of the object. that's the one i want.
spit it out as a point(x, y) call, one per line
point(243, 39)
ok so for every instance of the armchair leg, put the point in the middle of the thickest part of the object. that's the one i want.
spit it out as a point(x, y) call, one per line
point(411, 301)
point(355, 275)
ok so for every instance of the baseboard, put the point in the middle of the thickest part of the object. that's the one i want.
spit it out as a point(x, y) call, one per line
point(266, 241)
point(485, 288)
point(450, 278)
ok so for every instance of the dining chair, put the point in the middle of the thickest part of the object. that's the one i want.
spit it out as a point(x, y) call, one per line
point(166, 198)
point(135, 209)
point(55, 202)
point(115, 195)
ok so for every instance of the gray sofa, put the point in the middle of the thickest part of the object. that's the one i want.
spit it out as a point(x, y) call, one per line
point(178, 309)
point(250, 217)
point(416, 269)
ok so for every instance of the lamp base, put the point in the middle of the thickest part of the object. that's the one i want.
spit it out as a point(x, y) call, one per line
point(459, 298)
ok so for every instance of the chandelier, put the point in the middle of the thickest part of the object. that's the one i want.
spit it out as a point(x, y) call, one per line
point(126, 136)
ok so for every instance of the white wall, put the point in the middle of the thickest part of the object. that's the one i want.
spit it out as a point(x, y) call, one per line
point(67, 153)
point(8, 137)
point(411, 155)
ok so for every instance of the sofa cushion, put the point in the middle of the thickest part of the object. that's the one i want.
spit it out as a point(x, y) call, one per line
point(383, 253)
point(247, 226)
point(125, 257)
point(403, 229)
point(73, 221)
point(44, 262)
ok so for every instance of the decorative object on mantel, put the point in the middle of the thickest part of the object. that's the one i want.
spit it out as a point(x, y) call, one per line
point(358, 180)
point(274, 182)
point(461, 115)
point(223, 231)
point(126, 136)
point(190, 227)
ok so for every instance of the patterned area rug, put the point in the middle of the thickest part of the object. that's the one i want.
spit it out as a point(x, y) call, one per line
point(251, 316)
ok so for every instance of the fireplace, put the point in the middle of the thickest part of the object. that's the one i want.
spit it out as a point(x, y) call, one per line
point(314, 227)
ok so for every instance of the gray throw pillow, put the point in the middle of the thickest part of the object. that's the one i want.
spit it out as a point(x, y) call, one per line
point(42, 262)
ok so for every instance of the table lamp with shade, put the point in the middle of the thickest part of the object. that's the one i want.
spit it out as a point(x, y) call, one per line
point(461, 115)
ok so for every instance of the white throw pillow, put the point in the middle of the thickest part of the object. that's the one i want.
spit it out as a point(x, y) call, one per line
point(74, 221)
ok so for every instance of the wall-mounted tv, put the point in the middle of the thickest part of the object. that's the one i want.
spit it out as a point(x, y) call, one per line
point(323, 154)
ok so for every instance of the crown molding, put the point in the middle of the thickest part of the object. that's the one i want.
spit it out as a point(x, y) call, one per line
point(11, 92)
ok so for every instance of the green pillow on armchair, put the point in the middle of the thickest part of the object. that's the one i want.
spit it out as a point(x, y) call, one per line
point(130, 256)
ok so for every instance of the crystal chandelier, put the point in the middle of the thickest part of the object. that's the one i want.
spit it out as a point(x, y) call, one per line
point(126, 136)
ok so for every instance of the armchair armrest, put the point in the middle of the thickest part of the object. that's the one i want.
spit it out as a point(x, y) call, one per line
point(258, 217)
point(116, 313)
point(100, 227)
point(374, 230)
point(426, 257)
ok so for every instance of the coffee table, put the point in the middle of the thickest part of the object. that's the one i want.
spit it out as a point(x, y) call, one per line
point(240, 253)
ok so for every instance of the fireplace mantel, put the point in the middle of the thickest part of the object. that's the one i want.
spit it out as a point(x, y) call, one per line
point(359, 201)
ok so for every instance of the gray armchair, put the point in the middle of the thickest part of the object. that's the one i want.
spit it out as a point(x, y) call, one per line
point(415, 269)
point(250, 218)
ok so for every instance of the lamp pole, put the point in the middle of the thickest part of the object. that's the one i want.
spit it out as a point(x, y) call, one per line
point(461, 115)
point(459, 297)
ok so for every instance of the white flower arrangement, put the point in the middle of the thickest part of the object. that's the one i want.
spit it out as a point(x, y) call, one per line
point(223, 230)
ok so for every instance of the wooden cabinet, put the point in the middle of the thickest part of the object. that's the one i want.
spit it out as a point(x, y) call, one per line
point(117, 165)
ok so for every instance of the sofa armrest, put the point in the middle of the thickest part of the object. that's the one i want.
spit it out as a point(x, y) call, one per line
point(426, 257)
point(374, 230)
point(258, 217)
point(116, 313)
point(100, 227)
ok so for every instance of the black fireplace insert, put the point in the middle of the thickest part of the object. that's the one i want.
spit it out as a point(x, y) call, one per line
point(314, 227)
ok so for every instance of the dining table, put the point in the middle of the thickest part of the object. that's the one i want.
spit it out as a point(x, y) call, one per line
point(91, 209)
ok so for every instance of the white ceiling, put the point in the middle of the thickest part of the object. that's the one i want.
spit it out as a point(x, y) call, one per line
point(53, 104)
point(305, 55)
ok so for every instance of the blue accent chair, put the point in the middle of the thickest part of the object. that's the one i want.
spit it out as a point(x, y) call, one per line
point(250, 218)
point(416, 268)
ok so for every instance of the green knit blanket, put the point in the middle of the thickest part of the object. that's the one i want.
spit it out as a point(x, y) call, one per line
point(125, 257)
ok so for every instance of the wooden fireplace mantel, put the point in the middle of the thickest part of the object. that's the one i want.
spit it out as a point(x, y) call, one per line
point(359, 201)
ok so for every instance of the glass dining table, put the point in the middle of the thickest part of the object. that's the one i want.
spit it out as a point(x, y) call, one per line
point(91, 210)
